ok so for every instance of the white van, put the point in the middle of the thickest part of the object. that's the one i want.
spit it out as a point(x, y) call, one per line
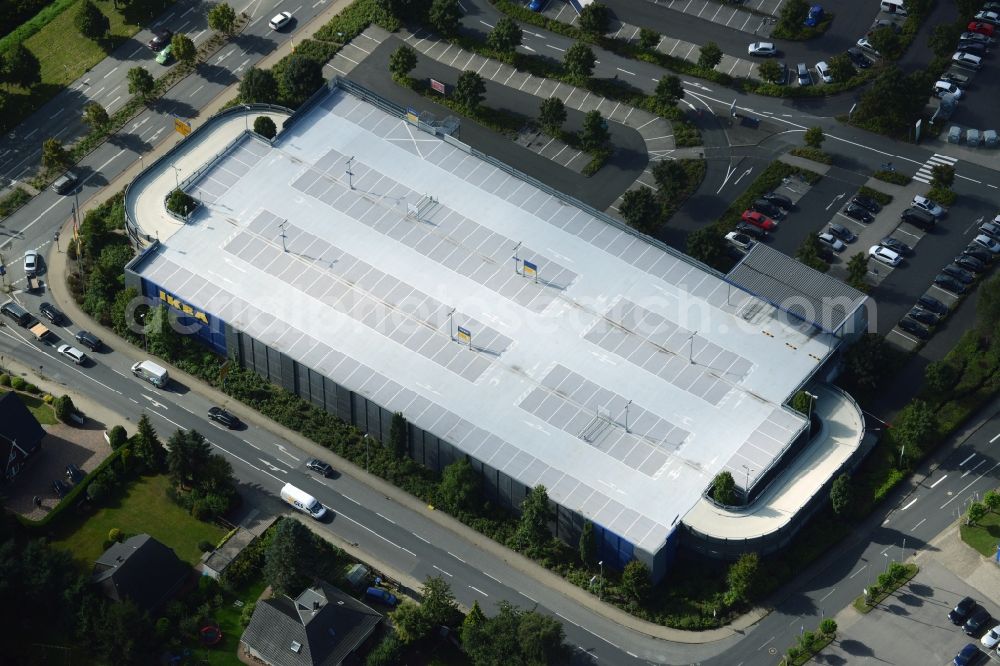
point(893, 7)
point(303, 501)
point(152, 373)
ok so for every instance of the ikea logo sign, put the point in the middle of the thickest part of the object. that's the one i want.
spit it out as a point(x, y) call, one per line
point(178, 304)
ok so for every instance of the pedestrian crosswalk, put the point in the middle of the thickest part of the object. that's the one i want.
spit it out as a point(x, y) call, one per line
point(924, 174)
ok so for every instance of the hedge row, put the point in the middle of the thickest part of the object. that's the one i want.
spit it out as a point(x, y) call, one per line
point(35, 23)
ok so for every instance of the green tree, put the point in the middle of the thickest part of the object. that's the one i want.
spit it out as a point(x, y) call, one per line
point(813, 137)
point(594, 19)
point(264, 126)
point(579, 61)
point(588, 544)
point(222, 18)
point(724, 488)
point(410, 621)
point(541, 639)
point(117, 437)
point(181, 202)
point(259, 87)
point(809, 254)
point(640, 209)
point(473, 623)
point(802, 403)
point(300, 78)
point(886, 43)
point(636, 582)
point(943, 38)
point(505, 36)
point(54, 155)
point(117, 632)
point(402, 61)
point(594, 135)
point(793, 14)
point(64, 408)
point(444, 16)
point(398, 435)
point(992, 500)
point(709, 55)
point(828, 626)
point(95, 115)
point(470, 90)
point(915, 427)
point(648, 39)
point(514, 636)
point(20, 67)
point(290, 557)
point(841, 67)
point(183, 48)
point(988, 307)
point(459, 489)
point(742, 579)
point(940, 377)
point(91, 23)
point(669, 91)
point(976, 512)
point(770, 71)
point(893, 102)
point(386, 653)
point(187, 453)
point(707, 245)
point(942, 175)
point(857, 271)
point(439, 603)
point(842, 495)
point(865, 362)
point(670, 177)
point(552, 115)
point(146, 445)
point(533, 527)
point(140, 82)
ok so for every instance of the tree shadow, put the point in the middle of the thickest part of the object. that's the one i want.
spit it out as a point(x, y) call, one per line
point(856, 648)
point(217, 74)
point(255, 44)
point(143, 12)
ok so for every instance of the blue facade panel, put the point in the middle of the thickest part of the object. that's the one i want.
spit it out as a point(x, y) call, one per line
point(203, 325)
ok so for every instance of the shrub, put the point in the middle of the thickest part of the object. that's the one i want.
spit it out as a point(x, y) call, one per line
point(247, 613)
point(205, 547)
point(892, 177)
point(96, 491)
point(828, 626)
point(117, 437)
point(115, 534)
point(4, 380)
point(264, 126)
point(181, 203)
point(17, 383)
point(64, 408)
point(31, 388)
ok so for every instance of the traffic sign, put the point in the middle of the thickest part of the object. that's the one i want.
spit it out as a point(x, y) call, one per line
point(182, 127)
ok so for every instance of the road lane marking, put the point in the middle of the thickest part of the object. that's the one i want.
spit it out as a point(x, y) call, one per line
point(350, 499)
point(824, 597)
point(851, 576)
point(421, 538)
point(918, 524)
point(939, 480)
point(457, 557)
point(247, 441)
point(478, 590)
point(909, 504)
point(765, 644)
point(385, 518)
point(365, 527)
point(112, 71)
point(494, 578)
point(442, 571)
point(969, 485)
point(995, 438)
point(973, 468)
point(967, 460)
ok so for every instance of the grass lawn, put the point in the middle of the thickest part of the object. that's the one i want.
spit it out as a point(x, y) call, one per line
point(43, 412)
point(143, 508)
point(224, 652)
point(65, 54)
point(983, 536)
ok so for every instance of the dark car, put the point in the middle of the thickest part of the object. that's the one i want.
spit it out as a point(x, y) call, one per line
point(949, 283)
point(779, 200)
point(51, 313)
point(969, 654)
point(973, 47)
point(867, 203)
point(970, 263)
point(751, 231)
point(923, 316)
point(60, 488)
point(933, 305)
point(768, 208)
point(979, 253)
point(960, 274)
point(913, 327)
point(74, 473)
point(381, 595)
point(841, 232)
point(89, 340)
point(160, 40)
point(856, 212)
point(858, 58)
point(977, 622)
point(896, 245)
point(918, 218)
point(319, 466)
point(219, 415)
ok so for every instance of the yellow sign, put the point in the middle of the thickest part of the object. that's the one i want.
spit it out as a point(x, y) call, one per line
point(181, 127)
point(178, 304)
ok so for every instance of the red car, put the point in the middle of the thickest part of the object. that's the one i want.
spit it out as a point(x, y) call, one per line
point(758, 220)
point(981, 28)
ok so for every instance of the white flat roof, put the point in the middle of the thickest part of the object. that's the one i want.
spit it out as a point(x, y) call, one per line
point(359, 283)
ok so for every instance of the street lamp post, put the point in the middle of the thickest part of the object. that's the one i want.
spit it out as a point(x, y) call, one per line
point(812, 400)
point(177, 176)
point(246, 117)
point(746, 486)
point(886, 554)
point(600, 588)
point(366, 451)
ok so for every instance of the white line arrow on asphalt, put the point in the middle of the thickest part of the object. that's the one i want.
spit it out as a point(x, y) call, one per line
point(836, 199)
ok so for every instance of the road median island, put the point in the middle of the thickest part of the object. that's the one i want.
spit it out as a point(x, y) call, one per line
point(894, 577)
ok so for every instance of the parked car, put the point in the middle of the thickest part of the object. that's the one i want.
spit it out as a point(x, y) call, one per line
point(867, 203)
point(89, 340)
point(751, 231)
point(823, 70)
point(984, 241)
point(970, 263)
point(923, 316)
point(164, 56)
point(741, 241)
point(896, 245)
point(978, 27)
point(762, 49)
point(60, 488)
point(973, 47)
point(779, 200)
point(967, 60)
point(814, 17)
point(758, 220)
point(831, 242)
point(51, 312)
point(279, 21)
point(768, 208)
point(160, 39)
point(991, 229)
point(842, 232)
point(932, 304)
point(949, 283)
point(866, 45)
point(977, 621)
point(977, 37)
point(856, 212)
point(858, 58)
point(918, 218)
point(913, 327)
point(960, 274)
point(991, 638)
point(319, 466)
point(979, 253)
point(383, 596)
point(803, 75)
point(30, 263)
point(73, 354)
point(74, 473)
point(969, 654)
point(929, 205)
point(536, 5)
point(942, 88)
point(988, 16)
point(884, 255)
point(222, 417)
point(884, 23)
point(960, 80)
